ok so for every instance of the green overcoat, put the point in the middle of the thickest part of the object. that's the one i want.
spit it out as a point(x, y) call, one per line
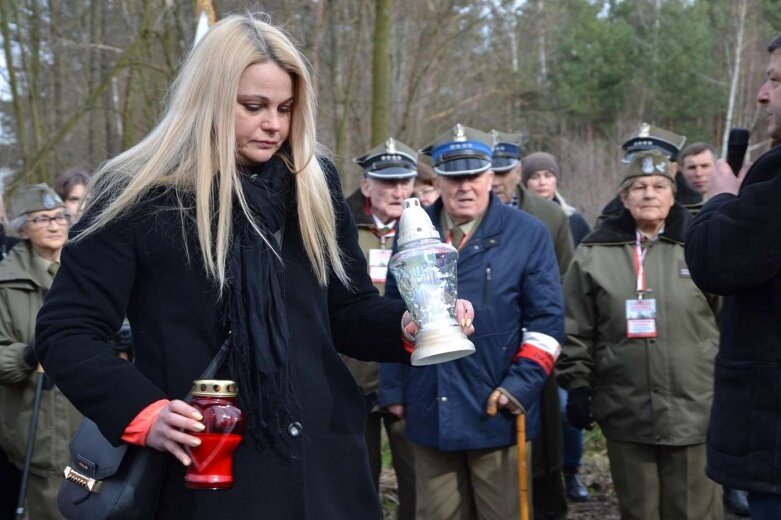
point(653, 390)
point(23, 284)
point(554, 219)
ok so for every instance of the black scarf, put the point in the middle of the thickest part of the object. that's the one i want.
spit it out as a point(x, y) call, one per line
point(260, 357)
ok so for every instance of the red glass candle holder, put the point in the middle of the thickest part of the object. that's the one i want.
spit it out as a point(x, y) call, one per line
point(212, 460)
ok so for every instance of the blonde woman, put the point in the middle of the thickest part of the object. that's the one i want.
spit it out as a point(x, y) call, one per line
point(224, 218)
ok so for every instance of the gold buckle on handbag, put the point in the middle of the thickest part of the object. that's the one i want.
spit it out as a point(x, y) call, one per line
point(92, 485)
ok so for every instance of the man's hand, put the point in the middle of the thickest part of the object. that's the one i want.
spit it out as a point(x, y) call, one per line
point(396, 409)
point(499, 398)
point(579, 408)
point(465, 315)
point(724, 180)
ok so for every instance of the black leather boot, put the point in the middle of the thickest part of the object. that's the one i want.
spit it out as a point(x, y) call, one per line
point(576, 490)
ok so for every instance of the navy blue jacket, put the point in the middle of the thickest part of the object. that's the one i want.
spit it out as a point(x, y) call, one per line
point(579, 228)
point(733, 248)
point(508, 270)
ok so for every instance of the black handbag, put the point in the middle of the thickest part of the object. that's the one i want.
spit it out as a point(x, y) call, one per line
point(107, 482)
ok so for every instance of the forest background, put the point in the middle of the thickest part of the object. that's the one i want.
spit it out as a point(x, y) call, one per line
point(82, 80)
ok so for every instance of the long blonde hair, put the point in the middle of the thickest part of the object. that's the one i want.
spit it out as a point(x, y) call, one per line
point(195, 142)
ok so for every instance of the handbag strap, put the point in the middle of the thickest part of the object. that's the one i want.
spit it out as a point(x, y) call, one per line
point(215, 364)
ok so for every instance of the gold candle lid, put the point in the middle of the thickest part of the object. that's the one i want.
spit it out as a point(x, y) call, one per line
point(214, 388)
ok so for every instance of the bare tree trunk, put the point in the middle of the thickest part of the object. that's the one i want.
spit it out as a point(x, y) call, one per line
point(336, 77)
point(733, 87)
point(128, 110)
point(95, 132)
point(318, 36)
point(542, 75)
point(33, 76)
point(16, 99)
point(109, 104)
point(346, 101)
point(55, 16)
point(381, 71)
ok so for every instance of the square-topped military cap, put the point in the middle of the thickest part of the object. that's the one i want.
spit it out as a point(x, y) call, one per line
point(461, 151)
point(649, 137)
point(32, 198)
point(390, 160)
point(507, 151)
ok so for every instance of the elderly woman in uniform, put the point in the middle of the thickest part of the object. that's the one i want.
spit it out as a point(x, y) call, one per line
point(39, 217)
point(641, 340)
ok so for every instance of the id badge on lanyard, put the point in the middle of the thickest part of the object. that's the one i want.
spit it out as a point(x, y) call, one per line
point(378, 264)
point(379, 257)
point(640, 312)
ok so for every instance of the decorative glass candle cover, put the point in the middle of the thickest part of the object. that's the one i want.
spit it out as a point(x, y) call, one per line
point(425, 271)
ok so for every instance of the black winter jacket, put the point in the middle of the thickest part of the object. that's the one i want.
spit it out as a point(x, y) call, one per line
point(733, 248)
point(138, 266)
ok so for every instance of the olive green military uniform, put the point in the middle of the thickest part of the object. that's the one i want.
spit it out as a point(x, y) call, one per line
point(366, 374)
point(554, 219)
point(550, 502)
point(24, 279)
point(651, 396)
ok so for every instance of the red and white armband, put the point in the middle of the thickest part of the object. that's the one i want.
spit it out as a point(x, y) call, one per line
point(540, 348)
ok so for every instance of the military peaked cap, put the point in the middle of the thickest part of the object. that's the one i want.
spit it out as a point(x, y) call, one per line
point(390, 160)
point(506, 152)
point(650, 137)
point(461, 151)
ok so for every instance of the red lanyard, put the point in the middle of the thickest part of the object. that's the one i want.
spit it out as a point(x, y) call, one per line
point(639, 259)
point(388, 234)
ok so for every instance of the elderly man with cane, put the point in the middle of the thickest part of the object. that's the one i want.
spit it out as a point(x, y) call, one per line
point(461, 415)
point(39, 217)
point(733, 248)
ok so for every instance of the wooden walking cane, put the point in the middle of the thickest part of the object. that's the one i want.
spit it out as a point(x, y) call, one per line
point(523, 470)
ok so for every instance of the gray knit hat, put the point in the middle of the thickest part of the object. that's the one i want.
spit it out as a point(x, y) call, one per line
point(537, 161)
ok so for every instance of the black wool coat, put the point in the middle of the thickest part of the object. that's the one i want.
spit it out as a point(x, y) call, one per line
point(733, 248)
point(138, 266)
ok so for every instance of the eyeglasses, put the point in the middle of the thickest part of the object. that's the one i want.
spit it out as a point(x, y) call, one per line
point(61, 219)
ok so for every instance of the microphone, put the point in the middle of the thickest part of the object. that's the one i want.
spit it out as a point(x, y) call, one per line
point(736, 148)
